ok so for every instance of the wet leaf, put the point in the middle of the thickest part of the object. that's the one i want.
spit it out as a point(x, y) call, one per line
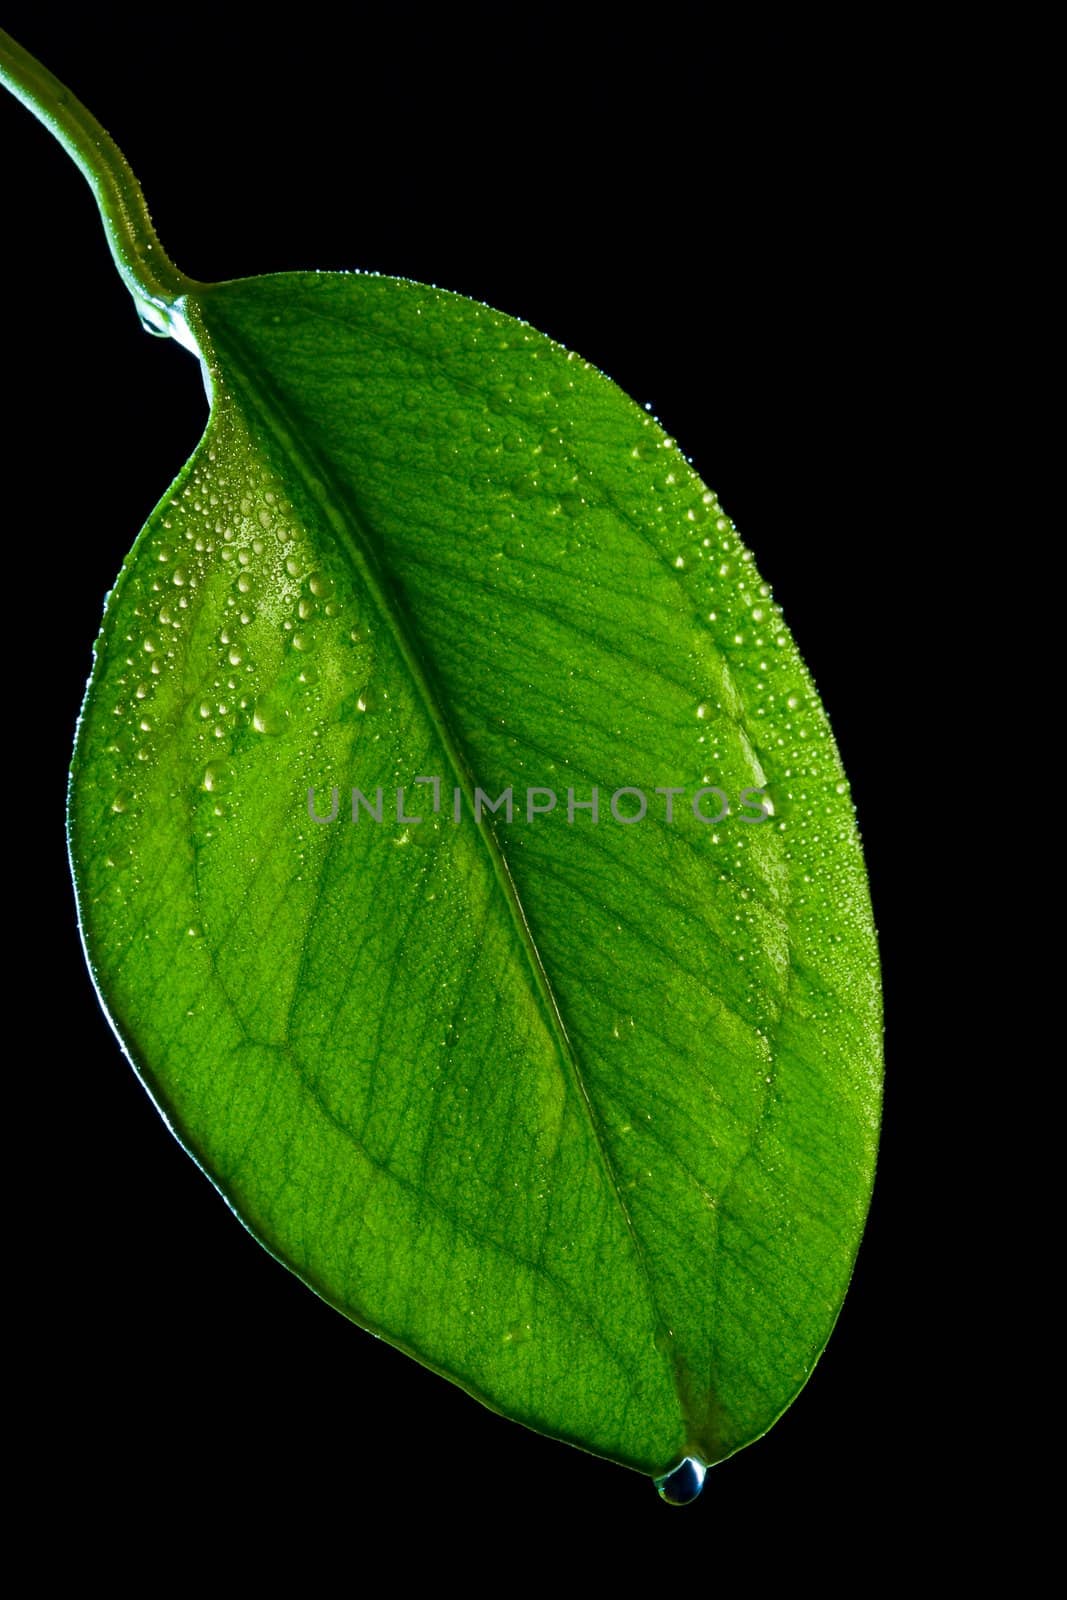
point(465, 861)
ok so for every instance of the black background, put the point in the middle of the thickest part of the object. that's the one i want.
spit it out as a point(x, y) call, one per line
point(727, 219)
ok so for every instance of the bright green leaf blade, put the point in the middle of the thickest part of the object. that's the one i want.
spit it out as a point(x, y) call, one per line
point(581, 1114)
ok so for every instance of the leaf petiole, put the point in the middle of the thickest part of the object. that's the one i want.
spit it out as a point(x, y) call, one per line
point(155, 283)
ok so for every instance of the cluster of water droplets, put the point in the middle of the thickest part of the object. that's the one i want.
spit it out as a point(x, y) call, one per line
point(225, 612)
point(766, 691)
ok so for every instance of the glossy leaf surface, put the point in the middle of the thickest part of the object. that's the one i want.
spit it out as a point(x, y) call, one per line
point(465, 862)
point(582, 1114)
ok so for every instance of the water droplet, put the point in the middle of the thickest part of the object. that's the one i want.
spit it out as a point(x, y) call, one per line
point(268, 718)
point(682, 1486)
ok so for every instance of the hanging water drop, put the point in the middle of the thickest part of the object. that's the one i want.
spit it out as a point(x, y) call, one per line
point(682, 1486)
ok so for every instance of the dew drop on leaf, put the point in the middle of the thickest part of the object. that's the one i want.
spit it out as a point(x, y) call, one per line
point(682, 1486)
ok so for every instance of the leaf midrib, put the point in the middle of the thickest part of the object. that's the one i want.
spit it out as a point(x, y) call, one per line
point(316, 472)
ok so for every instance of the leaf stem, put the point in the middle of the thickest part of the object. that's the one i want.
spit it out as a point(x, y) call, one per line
point(147, 271)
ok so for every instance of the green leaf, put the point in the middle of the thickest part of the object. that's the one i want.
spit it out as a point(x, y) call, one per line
point(580, 1111)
